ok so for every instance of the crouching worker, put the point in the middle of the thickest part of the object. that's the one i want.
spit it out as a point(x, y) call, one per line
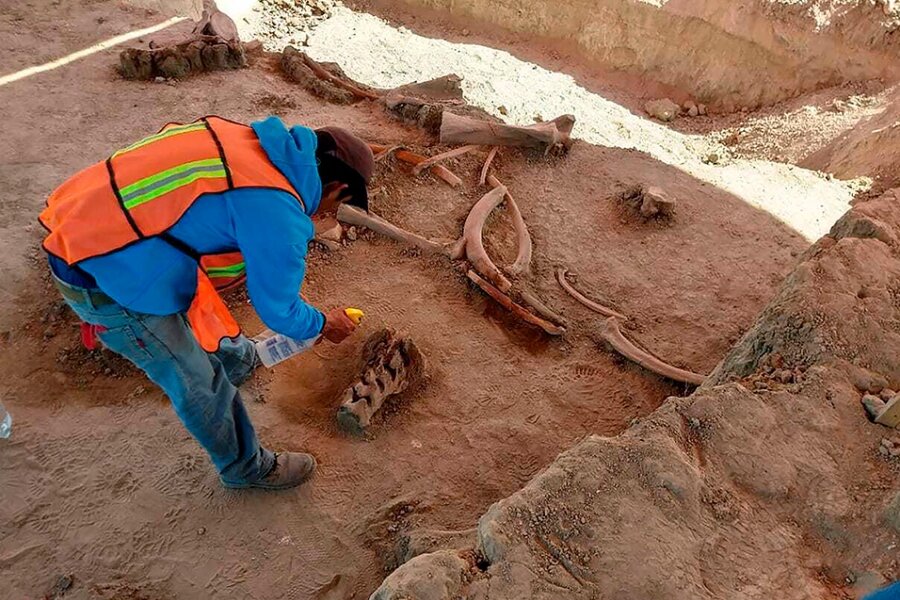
point(139, 243)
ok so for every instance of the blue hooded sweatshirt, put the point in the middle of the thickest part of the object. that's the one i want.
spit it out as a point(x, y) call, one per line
point(269, 227)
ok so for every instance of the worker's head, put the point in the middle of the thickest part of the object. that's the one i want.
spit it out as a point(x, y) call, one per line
point(345, 167)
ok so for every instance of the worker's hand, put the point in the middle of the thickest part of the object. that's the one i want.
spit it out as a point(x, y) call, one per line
point(338, 326)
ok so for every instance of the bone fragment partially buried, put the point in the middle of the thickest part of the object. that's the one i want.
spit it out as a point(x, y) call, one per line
point(392, 363)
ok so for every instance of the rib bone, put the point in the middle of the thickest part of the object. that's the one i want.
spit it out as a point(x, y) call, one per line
point(523, 239)
point(608, 312)
point(514, 308)
point(612, 335)
point(414, 159)
point(443, 156)
point(472, 232)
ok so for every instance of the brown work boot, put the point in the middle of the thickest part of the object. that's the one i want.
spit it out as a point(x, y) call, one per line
point(290, 470)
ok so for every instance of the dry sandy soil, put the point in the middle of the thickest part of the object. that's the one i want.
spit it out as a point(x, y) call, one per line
point(100, 481)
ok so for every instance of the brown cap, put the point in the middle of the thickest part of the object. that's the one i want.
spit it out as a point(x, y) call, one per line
point(354, 165)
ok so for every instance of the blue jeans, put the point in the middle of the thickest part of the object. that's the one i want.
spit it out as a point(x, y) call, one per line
point(201, 386)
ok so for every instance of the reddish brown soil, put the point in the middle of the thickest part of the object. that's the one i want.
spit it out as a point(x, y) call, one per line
point(102, 482)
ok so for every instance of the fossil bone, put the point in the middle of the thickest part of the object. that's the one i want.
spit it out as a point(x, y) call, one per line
point(507, 303)
point(457, 129)
point(487, 165)
point(523, 238)
point(392, 364)
point(608, 312)
point(612, 335)
point(355, 216)
point(428, 162)
point(322, 73)
point(472, 232)
point(414, 159)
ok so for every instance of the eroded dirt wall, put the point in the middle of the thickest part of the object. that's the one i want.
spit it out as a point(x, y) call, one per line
point(728, 54)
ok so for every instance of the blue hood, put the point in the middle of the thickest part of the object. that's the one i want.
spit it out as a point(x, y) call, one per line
point(293, 152)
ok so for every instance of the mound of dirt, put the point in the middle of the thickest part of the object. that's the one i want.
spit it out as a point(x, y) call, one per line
point(775, 489)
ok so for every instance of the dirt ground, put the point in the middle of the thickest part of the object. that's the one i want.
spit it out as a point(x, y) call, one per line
point(101, 482)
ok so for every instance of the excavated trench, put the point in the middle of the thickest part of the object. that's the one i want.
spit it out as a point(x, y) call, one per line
point(726, 54)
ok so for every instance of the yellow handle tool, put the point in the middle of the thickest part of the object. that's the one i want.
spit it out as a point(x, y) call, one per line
point(354, 314)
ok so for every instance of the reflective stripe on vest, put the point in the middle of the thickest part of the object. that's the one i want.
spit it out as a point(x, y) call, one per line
point(224, 270)
point(167, 131)
point(230, 271)
point(153, 187)
point(143, 189)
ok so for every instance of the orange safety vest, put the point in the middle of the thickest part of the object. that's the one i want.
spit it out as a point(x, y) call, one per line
point(141, 191)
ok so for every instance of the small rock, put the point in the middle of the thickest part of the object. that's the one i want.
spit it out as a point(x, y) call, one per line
point(784, 376)
point(887, 393)
point(201, 531)
point(839, 106)
point(159, 79)
point(760, 385)
point(656, 202)
point(731, 139)
point(712, 158)
point(873, 405)
point(502, 110)
point(329, 229)
point(329, 245)
point(890, 416)
point(352, 234)
point(701, 108)
point(253, 47)
point(892, 513)
point(691, 109)
point(890, 447)
point(466, 32)
point(50, 332)
point(866, 381)
point(62, 585)
point(664, 109)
